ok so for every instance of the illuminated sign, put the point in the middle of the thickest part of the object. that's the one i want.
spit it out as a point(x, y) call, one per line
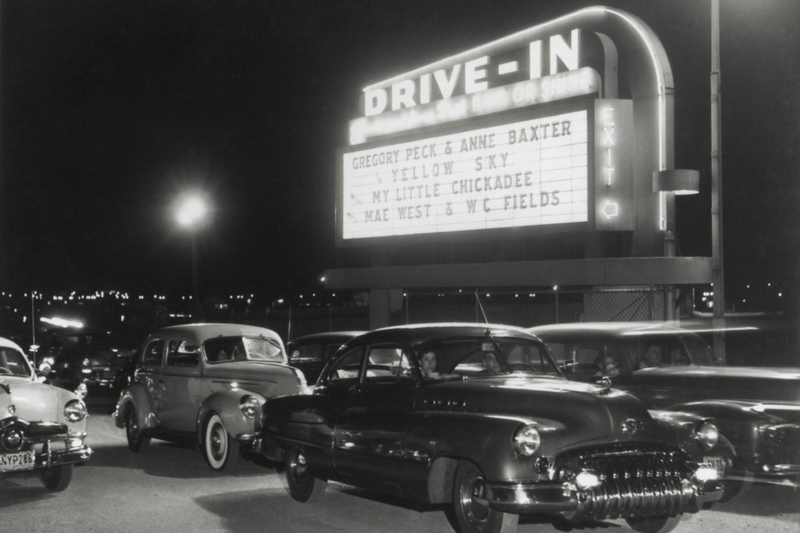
point(613, 137)
point(497, 77)
point(528, 173)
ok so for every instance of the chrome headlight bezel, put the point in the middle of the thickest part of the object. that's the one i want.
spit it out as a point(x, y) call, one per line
point(707, 435)
point(250, 406)
point(527, 440)
point(75, 411)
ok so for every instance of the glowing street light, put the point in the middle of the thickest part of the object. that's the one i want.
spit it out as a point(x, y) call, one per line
point(191, 212)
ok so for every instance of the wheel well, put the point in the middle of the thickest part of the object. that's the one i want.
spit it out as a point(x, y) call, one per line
point(440, 479)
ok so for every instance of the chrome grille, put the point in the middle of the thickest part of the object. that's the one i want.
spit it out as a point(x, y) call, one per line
point(636, 482)
point(784, 444)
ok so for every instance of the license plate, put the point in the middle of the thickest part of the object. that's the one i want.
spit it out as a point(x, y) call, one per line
point(16, 461)
point(718, 463)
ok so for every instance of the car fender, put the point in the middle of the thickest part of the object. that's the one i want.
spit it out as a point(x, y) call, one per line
point(227, 405)
point(135, 395)
point(738, 421)
point(452, 435)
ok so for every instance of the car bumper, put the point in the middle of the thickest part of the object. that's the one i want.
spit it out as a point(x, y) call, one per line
point(610, 500)
point(48, 455)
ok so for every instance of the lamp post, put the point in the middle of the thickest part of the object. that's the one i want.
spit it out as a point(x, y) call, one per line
point(717, 271)
point(190, 214)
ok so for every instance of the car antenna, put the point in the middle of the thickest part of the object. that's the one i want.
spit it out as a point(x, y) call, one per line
point(480, 306)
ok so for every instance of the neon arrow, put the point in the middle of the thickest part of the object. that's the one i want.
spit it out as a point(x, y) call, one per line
point(610, 209)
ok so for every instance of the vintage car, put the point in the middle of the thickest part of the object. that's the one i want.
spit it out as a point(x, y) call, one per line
point(434, 413)
point(310, 352)
point(42, 427)
point(205, 383)
point(78, 355)
point(757, 409)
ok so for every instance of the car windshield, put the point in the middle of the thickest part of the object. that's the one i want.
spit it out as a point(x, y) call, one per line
point(13, 362)
point(483, 356)
point(225, 349)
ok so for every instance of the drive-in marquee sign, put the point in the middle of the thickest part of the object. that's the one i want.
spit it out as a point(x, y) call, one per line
point(514, 134)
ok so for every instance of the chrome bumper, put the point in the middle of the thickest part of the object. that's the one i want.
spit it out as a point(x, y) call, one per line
point(49, 458)
point(610, 500)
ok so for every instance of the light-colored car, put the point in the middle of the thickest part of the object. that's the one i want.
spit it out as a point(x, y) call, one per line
point(42, 427)
point(206, 383)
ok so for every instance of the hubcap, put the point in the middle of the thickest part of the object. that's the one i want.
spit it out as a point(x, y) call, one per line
point(217, 444)
point(475, 502)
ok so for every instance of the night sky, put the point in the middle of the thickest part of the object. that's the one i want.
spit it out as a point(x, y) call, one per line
point(111, 109)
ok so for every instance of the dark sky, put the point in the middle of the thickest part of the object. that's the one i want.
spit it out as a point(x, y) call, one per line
point(110, 109)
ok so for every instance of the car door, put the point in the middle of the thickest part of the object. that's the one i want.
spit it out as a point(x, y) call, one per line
point(181, 385)
point(148, 373)
point(375, 413)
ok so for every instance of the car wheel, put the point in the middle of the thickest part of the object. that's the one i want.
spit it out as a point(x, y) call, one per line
point(136, 436)
point(471, 505)
point(738, 479)
point(220, 450)
point(301, 485)
point(659, 524)
point(57, 478)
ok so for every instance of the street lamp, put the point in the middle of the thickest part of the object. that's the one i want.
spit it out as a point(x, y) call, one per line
point(190, 214)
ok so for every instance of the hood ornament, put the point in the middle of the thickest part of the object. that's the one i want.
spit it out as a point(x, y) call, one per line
point(5, 386)
point(604, 382)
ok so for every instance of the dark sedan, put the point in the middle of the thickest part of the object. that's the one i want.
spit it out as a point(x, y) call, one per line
point(85, 356)
point(310, 352)
point(757, 409)
point(434, 413)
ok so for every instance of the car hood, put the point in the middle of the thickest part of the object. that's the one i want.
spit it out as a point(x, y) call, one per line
point(735, 383)
point(32, 401)
point(580, 413)
point(265, 378)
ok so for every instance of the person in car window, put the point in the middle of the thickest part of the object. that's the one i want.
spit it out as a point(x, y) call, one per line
point(428, 363)
point(652, 357)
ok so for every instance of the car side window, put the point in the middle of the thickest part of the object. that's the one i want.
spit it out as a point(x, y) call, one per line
point(347, 368)
point(182, 353)
point(311, 353)
point(153, 353)
point(387, 364)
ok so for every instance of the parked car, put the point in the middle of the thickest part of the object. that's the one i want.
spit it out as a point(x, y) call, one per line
point(205, 383)
point(757, 409)
point(434, 413)
point(78, 355)
point(42, 427)
point(310, 352)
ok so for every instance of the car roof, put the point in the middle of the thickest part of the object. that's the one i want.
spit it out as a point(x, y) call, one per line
point(202, 332)
point(8, 343)
point(594, 330)
point(418, 332)
point(326, 336)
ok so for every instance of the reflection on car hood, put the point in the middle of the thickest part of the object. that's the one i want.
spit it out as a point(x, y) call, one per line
point(32, 401)
point(584, 412)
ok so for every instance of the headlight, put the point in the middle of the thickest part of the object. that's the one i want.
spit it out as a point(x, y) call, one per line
point(249, 406)
point(708, 435)
point(82, 391)
point(527, 440)
point(86, 362)
point(75, 411)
